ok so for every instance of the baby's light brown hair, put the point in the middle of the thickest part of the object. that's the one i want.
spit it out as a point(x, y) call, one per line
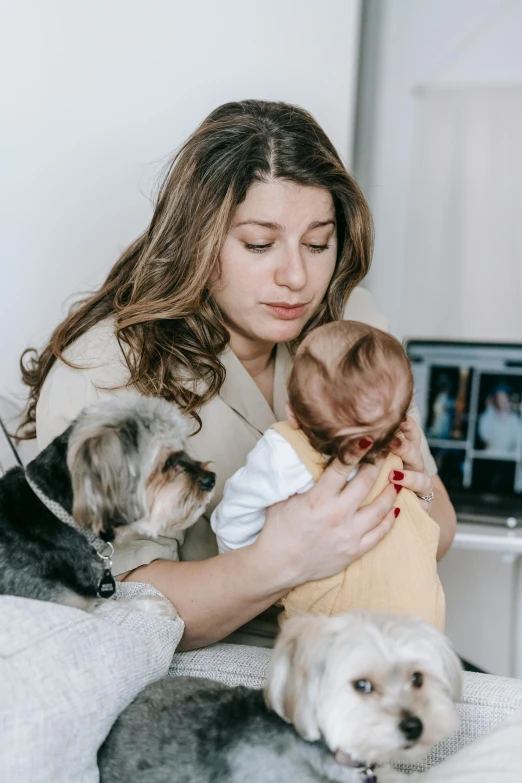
point(349, 374)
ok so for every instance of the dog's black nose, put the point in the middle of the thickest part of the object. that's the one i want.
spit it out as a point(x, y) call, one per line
point(411, 727)
point(207, 481)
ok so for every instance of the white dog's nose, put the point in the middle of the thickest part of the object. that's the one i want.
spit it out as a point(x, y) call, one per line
point(411, 727)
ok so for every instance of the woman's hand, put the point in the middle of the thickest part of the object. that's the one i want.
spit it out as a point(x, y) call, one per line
point(414, 476)
point(320, 532)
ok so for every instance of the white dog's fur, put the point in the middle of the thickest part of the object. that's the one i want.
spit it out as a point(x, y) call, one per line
point(318, 659)
point(188, 728)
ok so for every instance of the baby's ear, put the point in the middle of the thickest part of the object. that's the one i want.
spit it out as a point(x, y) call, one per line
point(291, 417)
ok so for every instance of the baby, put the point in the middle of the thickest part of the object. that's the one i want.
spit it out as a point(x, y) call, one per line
point(349, 381)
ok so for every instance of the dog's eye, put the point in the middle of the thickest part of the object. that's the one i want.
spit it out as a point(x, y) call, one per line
point(173, 461)
point(417, 679)
point(362, 686)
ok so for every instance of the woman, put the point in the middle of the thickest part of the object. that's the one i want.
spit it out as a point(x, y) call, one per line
point(259, 234)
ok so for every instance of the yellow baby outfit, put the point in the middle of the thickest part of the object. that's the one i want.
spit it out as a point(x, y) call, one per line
point(399, 575)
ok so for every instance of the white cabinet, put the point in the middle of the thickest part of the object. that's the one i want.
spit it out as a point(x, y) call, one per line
point(481, 576)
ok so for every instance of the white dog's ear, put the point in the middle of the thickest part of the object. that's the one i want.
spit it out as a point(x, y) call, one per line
point(295, 672)
point(453, 671)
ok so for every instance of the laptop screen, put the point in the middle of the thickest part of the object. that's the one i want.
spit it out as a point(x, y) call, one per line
point(470, 401)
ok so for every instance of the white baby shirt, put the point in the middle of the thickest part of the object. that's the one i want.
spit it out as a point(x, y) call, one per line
point(273, 472)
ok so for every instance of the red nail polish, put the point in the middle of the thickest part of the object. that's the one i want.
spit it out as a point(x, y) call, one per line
point(397, 488)
point(396, 443)
point(365, 443)
point(398, 476)
point(396, 512)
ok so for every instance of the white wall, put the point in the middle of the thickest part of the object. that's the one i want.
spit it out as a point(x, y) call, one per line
point(100, 93)
point(425, 42)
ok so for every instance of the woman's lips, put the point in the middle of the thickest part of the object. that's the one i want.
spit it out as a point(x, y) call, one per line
point(286, 311)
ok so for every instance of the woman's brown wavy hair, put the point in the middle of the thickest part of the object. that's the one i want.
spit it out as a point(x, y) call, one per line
point(159, 291)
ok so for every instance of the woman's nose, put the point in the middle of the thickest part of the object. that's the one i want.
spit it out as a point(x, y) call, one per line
point(291, 272)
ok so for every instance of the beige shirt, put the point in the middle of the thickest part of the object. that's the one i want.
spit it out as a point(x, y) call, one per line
point(233, 421)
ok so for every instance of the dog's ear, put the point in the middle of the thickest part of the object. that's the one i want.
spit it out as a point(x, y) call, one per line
point(295, 672)
point(452, 666)
point(103, 461)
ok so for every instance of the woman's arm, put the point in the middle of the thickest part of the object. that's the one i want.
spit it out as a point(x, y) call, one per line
point(417, 478)
point(309, 536)
point(216, 596)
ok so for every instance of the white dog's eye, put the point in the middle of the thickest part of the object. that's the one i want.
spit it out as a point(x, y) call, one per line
point(362, 686)
point(417, 679)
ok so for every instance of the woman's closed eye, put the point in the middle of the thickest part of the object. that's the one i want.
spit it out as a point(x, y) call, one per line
point(318, 248)
point(263, 248)
point(258, 248)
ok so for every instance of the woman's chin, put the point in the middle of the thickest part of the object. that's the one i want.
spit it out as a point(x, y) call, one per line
point(283, 331)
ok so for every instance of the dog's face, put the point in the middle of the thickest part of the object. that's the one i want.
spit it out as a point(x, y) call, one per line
point(376, 688)
point(130, 472)
point(178, 490)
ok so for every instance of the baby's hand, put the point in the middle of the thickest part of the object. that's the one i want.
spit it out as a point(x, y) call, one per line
point(414, 476)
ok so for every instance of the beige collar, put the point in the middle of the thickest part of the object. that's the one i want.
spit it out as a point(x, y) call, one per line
point(240, 392)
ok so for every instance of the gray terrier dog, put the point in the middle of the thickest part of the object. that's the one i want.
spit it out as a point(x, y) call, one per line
point(345, 697)
point(120, 470)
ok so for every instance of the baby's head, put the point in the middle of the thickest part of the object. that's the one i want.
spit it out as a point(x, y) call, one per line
point(349, 380)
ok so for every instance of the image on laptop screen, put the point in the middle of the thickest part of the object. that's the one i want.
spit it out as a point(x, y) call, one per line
point(470, 401)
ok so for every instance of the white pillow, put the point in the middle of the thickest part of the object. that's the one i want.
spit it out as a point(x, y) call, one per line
point(495, 758)
point(65, 676)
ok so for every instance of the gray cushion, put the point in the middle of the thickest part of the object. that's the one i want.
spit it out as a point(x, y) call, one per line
point(233, 664)
point(65, 675)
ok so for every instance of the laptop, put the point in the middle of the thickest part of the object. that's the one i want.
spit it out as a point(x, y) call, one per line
point(469, 396)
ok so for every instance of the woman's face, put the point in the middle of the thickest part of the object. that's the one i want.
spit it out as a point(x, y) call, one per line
point(277, 261)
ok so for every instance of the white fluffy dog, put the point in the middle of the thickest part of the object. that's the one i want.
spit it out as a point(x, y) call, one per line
point(376, 688)
point(345, 697)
